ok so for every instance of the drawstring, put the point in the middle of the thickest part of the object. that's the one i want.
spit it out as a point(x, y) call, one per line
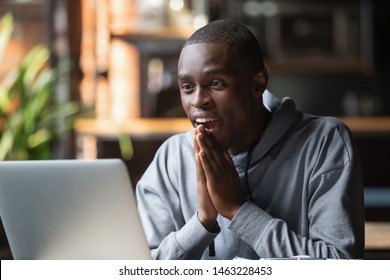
point(212, 249)
point(248, 161)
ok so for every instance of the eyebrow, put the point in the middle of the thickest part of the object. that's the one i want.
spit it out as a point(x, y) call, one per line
point(223, 71)
point(184, 77)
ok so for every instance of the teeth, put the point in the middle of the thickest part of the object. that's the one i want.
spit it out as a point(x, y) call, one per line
point(204, 120)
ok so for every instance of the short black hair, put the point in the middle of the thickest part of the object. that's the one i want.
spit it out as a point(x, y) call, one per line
point(244, 43)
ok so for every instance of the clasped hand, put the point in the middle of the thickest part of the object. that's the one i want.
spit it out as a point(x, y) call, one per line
point(218, 182)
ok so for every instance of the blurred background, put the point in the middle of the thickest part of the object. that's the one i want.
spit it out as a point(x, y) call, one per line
point(107, 72)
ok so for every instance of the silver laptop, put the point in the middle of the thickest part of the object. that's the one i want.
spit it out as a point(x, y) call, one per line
point(70, 209)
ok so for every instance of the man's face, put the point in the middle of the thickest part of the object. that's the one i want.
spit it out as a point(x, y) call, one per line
point(216, 91)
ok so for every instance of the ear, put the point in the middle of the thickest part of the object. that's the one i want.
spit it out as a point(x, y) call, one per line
point(260, 82)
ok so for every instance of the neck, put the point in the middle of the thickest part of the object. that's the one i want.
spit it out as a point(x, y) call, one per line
point(260, 123)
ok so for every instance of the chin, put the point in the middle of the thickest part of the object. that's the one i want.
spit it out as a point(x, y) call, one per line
point(223, 142)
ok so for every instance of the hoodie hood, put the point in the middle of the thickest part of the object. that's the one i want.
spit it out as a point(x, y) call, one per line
point(284, 113)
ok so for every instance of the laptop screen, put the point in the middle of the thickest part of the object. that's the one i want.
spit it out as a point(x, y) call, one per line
point(70, 209)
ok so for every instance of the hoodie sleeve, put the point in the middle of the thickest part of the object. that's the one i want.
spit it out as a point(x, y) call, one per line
point(335, 211)
point(171, 234)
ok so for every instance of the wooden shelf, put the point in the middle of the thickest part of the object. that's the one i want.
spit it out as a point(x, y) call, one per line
point(318, 65)
point(368, 125)
point(137, 128)
point(160, 127)
point(161, 33)
point(88, 131)
point(377, 235)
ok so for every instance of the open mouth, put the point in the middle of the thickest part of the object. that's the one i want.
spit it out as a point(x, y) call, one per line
point(209, 123)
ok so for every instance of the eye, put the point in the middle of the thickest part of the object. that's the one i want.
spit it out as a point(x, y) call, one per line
point(217, 84)
point(187, 88)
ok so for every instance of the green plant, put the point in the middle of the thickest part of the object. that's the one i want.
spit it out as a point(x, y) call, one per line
point(31, 117)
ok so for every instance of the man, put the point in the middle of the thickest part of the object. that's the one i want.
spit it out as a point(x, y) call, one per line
point(256, 178)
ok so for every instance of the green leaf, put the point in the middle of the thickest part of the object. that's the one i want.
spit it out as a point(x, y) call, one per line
point(38, 138)
point(6, 28)
point(30, 131)
point(126, 146)
point(34, 62)
point(6, 143)
point(44, 79)
point(4, 100)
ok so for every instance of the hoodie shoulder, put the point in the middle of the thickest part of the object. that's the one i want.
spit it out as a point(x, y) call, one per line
point(181, 141)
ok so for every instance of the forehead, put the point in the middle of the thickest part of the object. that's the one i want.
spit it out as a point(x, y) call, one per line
point(203, 56)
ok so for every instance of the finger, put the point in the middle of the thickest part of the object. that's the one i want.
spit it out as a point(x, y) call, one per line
point(223, 187)
point(201, 178)
point(199, 131)
point(196, 145)
point(211, 142)
point(205, 151)
point(229, 158)
point(209, 168)
point(207, 213)
point(210, 146)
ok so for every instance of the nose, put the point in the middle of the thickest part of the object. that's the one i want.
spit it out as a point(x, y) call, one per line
point(201, 99)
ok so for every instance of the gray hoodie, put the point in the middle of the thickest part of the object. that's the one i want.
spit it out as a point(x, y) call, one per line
point(304, 187)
